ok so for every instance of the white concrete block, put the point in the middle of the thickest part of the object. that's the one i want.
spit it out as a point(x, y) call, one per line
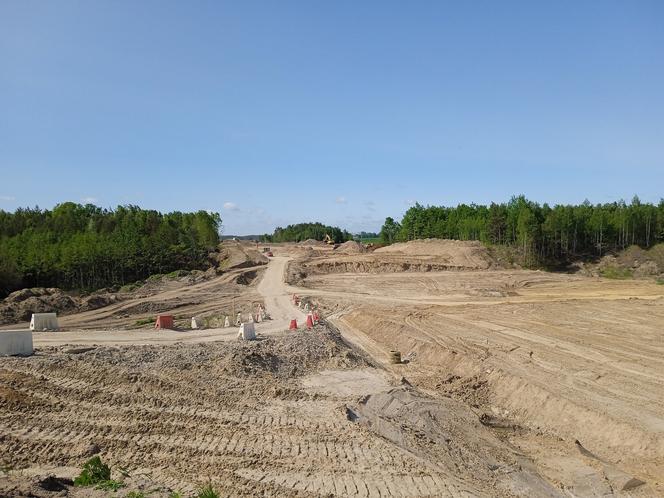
point(196, 322)
point(44, 321)
point(247, 332)
point(15, 342)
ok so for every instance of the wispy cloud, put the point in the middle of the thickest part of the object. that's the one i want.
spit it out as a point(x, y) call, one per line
point(231, 206)
point(7, 198)
point(341, 200)
point(370, 205)
point(89, 200)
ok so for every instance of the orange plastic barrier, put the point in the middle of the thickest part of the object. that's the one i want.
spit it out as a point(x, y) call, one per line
point(293, 325)
point(164, 322)
point(310, 321)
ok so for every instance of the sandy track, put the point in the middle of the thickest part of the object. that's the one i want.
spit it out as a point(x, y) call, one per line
point(218, 294)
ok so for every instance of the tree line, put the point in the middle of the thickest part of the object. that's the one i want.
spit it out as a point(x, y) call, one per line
point(304, 231)
point(85, 247)
point(540, 232)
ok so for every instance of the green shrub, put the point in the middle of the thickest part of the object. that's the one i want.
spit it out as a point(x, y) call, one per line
point(130, 287)
point(207, 492)
point(143, 321)
point(616, 273)
point(135, 494)
point(94, 472)
point(177, 274)
point(660, 281)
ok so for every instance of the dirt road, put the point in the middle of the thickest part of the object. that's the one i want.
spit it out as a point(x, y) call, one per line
point(270, 290)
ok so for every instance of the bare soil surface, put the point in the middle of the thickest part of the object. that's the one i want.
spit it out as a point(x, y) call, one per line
point(555, 363)
point(514, 383)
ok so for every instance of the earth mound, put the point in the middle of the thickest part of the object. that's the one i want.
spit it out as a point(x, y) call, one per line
point(468, 254)
point(312, 242)
point(351, 247)
point(21, 304)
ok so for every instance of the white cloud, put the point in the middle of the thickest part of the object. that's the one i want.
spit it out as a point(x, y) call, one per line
point(231, 206)
point(89, 200)
point(341, 200)
point(371, 205)
point(7, 198)
point(410, 202)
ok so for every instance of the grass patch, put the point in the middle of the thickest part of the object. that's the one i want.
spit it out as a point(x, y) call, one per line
point(178, 274)
point(110, 485)
point(616, 273)
point(96, 473)
point(207, 492)
point(156, 276)
point(659, 281)
point(135, 494)
point(370, 240)
point(143, 321)
point(130, 287)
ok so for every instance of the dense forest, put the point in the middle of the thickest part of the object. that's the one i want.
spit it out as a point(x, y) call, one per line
point(540, 232)
point(304, 231)
point(85, 247)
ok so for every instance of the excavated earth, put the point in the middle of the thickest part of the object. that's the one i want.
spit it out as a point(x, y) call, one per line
point(567, 369)
point(298, 414)
point(513, 383)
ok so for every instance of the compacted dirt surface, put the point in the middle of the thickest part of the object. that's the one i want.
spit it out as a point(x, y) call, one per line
point(513, 383)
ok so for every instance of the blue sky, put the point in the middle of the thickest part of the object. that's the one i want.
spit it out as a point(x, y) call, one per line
point(344, 112)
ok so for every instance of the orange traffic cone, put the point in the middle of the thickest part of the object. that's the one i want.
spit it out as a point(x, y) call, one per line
point(293, 325)
point(310, 321)
point(316, 317)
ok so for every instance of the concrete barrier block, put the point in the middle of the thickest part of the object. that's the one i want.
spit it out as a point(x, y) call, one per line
point(44, 321)
point(16, 342)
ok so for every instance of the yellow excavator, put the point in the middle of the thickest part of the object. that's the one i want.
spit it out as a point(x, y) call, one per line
point(328, 240)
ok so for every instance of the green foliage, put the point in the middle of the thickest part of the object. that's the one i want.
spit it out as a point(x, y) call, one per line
point(130, 287)
point(207, 492)
point(135, 494)
point(175, 494)
point(389, 231)
point(304, 231)
point(143, 321)
point(616, 273)
point(110, 485)
point(539, 232)
point(659, 281)
point(94, 472)
point(86, 247)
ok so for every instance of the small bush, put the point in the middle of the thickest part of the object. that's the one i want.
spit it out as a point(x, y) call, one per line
point(660, 281)
point(177, 274)
point(156, 276)
point(207, 492)
point(130, 287)
point(94, 472)
point(616, 273)
point(143, 321)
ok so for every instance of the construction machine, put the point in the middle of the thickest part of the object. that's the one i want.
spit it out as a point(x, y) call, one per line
point(328, 240)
